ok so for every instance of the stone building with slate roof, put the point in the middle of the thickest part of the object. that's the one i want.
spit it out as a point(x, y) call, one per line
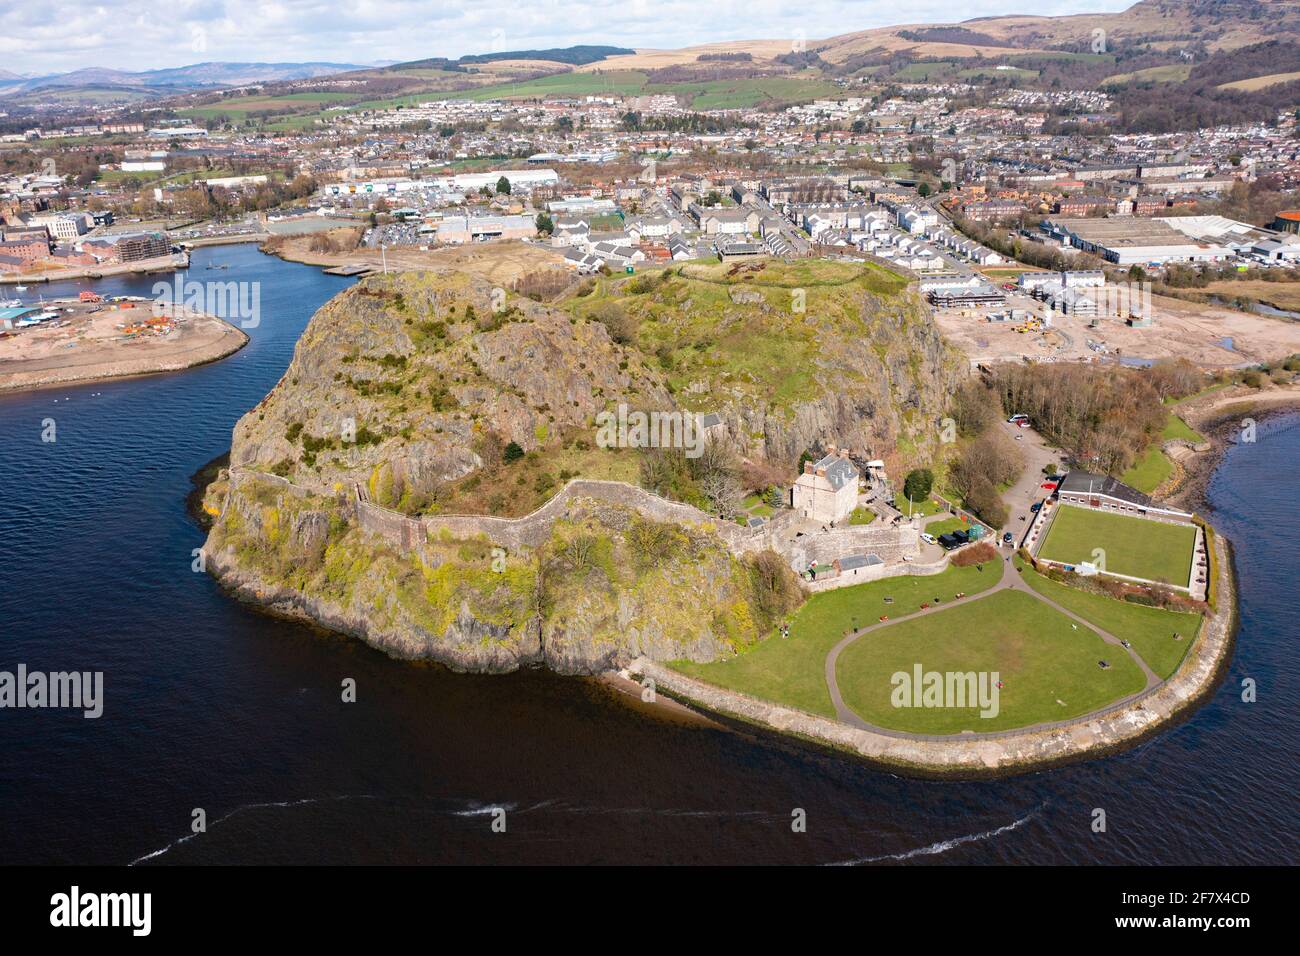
point(827, 491)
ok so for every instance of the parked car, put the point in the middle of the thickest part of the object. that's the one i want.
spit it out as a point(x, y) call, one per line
point(1036, 507)
point(927, 538)
point(1008, 537)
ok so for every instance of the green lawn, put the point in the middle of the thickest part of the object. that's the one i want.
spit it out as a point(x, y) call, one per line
point(923, 508)
point(1137, 547)
point(861, 515)
point(1149, 472)
point(1151, 630)
point(757, 506)
point(792, 671)
point(1176, 428)
point(1048, 666)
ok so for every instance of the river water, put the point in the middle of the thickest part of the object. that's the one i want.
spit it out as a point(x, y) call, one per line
point(210, 705)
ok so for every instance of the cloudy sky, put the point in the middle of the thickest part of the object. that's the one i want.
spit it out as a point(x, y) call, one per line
point(60, 35)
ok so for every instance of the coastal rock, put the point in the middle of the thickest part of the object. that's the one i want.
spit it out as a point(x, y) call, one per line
point(413, 396)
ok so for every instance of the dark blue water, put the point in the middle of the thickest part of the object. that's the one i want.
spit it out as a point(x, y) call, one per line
point(211, 705)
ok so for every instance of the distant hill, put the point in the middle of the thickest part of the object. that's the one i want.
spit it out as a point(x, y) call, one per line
point(166, 82)
point(573, 55)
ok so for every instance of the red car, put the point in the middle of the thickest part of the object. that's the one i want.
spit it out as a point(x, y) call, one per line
point(1050, 485)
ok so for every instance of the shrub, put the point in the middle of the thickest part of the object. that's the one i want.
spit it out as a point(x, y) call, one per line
point(918, 484)
point(512, 452)
point(975, 554)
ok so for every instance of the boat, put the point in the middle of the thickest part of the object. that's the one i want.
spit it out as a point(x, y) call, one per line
point(20, 288)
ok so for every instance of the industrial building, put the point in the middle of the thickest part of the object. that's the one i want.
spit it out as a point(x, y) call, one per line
point(1148, 242)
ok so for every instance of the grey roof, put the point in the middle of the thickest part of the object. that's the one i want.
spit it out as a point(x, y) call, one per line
point(710, 419)
point(1083, 482)
point(854, 561)
point(839, 471)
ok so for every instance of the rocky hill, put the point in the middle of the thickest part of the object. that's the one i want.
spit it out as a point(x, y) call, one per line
point(416, 396)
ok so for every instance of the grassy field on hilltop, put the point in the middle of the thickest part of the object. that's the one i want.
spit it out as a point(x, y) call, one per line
point(1048, 666)
point(792, 671)
point(1137, 547)
point(736, 328)
point(1151, 630)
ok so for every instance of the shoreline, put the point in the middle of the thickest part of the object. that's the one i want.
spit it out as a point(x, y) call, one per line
point(113, 368)
point(1217, 420)
point(173, 263)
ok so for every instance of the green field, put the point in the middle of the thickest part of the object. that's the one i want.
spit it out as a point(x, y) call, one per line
point(704, 95)
point(1176, 428)
point(792, 671)
point(1149, 472)
point(1172, 73)
point(992, 72)
point(923, 508)
point(239, 106)
point(1137, 547)
point(1048, 666)
point(1150, 630)
point(923, 71)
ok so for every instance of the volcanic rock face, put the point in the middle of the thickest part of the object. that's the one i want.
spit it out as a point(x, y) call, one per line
point(365, 492)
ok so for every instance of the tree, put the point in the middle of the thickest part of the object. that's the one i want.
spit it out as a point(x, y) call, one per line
point(923, 190)
point(512, 453)
point(545, 225)
point(503, 186)
point(918, 484)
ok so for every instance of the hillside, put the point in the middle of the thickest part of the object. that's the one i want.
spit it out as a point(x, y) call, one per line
point(416, 398)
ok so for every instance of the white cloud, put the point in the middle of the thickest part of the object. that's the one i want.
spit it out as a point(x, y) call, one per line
point(61, 35)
